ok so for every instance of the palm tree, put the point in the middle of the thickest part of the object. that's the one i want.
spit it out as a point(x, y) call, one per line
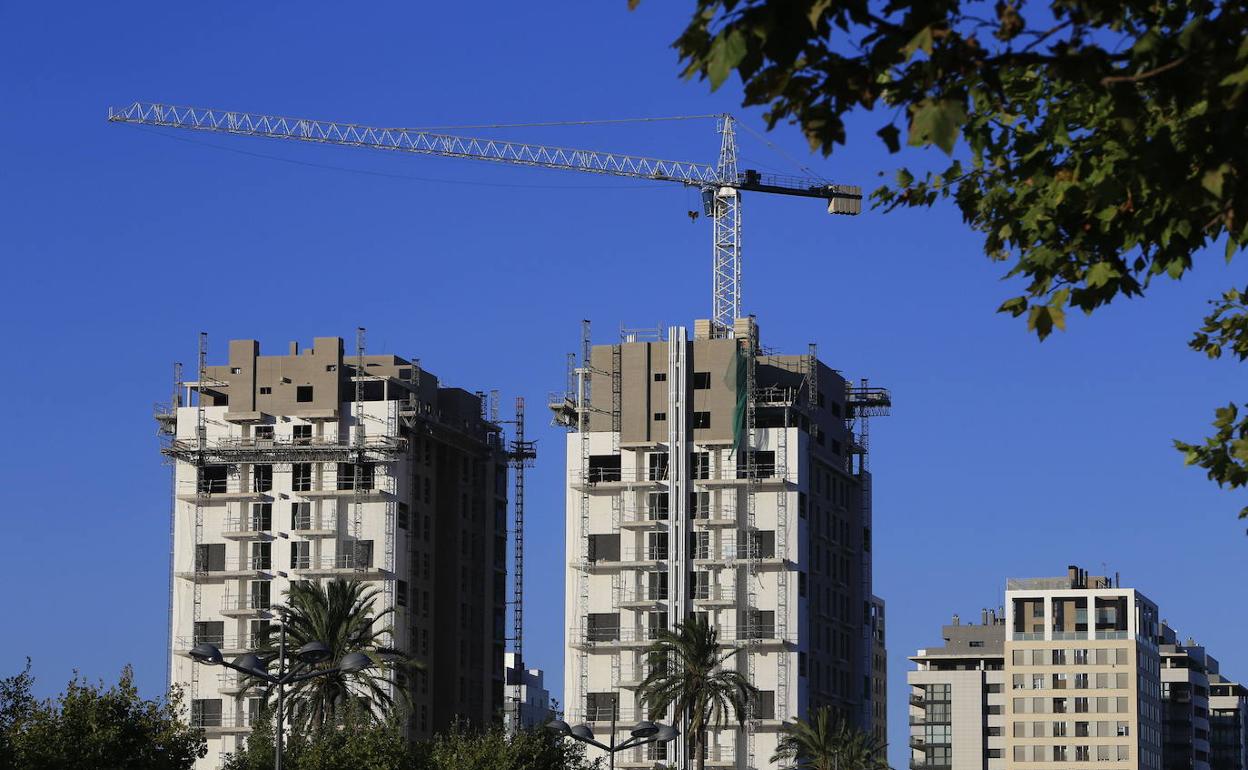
point(827, 743)
point(687, 672)
point(341, 614)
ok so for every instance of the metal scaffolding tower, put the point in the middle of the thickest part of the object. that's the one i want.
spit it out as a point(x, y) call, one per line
point(521, 454)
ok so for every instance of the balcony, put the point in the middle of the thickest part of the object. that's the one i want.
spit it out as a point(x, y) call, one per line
point(227, 569)
point(714, 595)
point(229, 645)
point(246, 528)
point(244, 605)
point(342, 565)
point(642, 598)
point(643, 519)
point(628, 558)
point(307, 525)
point(222, 724)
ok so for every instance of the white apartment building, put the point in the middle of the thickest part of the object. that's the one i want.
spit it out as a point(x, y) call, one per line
point(308, 467)
point(708, 477)
point(528, 700)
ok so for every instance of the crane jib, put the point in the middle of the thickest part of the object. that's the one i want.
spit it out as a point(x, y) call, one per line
point(719, 182)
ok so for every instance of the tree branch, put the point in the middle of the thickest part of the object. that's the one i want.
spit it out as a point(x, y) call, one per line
point(1143, 75)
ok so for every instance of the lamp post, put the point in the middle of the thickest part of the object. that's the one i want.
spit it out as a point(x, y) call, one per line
point(309, 654)
point(642, 733)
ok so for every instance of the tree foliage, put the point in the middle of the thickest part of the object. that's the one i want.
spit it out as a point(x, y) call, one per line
point(91, 726)
point(362, 741)
point(687, 673)
point(342, 614)
point(826, 743)
point(1096, 146)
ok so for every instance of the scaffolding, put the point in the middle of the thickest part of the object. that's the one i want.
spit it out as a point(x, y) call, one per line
point(748, 347)
point(521, 454)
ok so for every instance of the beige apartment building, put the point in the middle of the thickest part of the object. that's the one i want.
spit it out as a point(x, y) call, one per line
point(1075, 671)
point(316, 465)
point(1084, 673)
point(710, 477)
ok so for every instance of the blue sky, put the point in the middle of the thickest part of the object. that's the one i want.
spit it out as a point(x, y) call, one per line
point(1003, 456)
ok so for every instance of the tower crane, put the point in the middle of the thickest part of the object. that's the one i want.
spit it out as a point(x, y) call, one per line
point(721, 183)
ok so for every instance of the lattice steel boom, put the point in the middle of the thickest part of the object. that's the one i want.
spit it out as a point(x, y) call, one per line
point(720, 182)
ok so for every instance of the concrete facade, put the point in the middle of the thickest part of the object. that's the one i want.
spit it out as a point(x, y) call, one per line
point(309, 466)
point(675, 507)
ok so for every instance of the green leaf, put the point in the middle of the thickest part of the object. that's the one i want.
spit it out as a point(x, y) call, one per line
point(938, 122)
point(727, 51)
point(1101, 273)
point(904, 177)
point(1235, 78)
point(816, 12)
point(1213, 179)
point(891, 136)
point(921, 41)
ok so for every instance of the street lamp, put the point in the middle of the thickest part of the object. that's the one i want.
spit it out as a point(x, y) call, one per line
point(642, 733)
point(253, 665)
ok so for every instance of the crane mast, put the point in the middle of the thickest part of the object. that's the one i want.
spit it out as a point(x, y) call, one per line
point(721, 184)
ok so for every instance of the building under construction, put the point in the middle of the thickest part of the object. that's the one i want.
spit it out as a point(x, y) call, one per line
point(709, 476)
point(317, 465)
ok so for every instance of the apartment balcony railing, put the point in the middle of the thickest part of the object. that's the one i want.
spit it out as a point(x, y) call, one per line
point(327, 566)
point(760, 633)
point(642, 518)
point(245, 527)
point(714, 594)
point(244, 604)
point(225, 569)
point(644, 595)
point(229, 644)
point(220, 724)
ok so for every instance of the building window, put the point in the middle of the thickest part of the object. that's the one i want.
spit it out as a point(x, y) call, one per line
point(701, 380)
point(206, 712)
point(660, 416)
point(261, 478)
point(236, 370)
point(400, 593)
point(657, 506)
point(262, 555)
point(701, 420)
point(212, 478)
point(260, 594)
point(265, 390)
point(602, 627)
point(264, 433)
point(210, 557)
point(701, 462)
point(303, 394)
point(656, 586)
point(261, 517)
point(301, 555)
point(601, 706)
point(656, 466)
point(602, 468)
point(208, 632)
point(700, 505)
point(302, 434)
point(660, 376)
point(352, 476)
point(765, 704)
point(300, 516)
point(604, 547)
point(301, 477)
point(656, 546)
